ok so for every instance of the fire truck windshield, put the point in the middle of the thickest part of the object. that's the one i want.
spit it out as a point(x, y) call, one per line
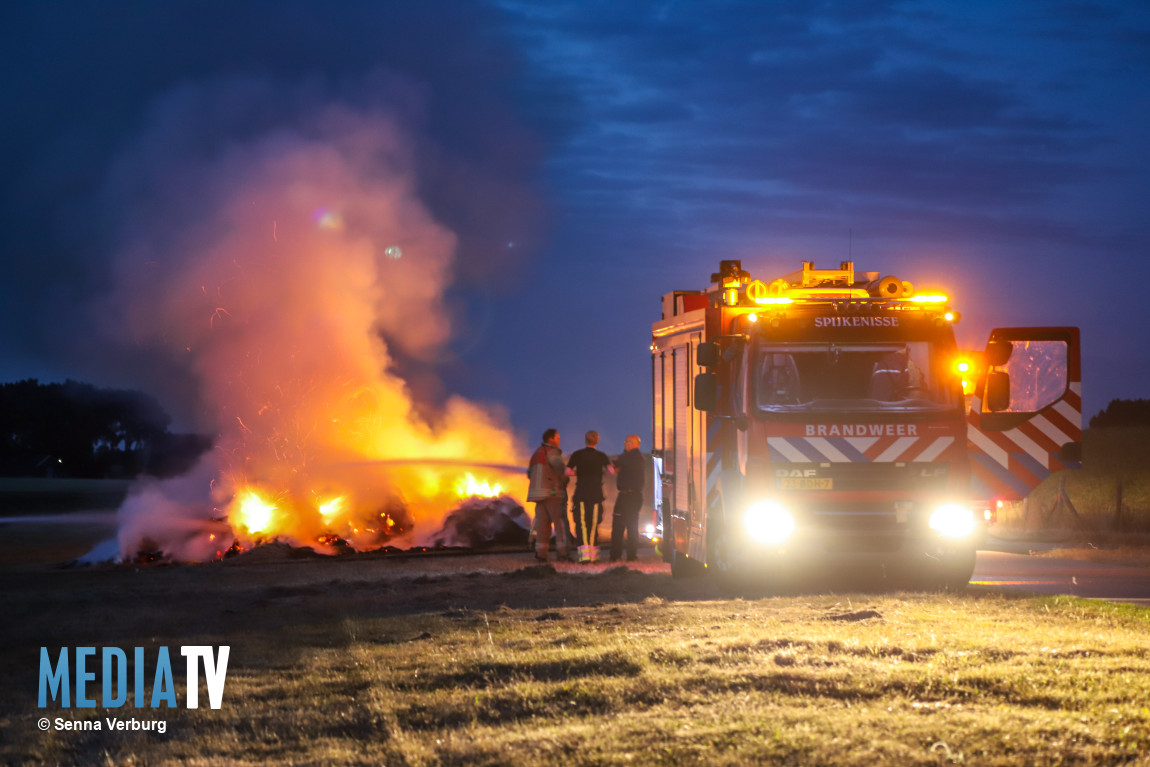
point(820, 377)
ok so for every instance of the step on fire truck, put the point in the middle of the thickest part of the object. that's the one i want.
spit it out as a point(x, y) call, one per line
point(827, 419)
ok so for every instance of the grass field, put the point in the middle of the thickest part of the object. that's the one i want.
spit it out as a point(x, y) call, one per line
point(368, 662)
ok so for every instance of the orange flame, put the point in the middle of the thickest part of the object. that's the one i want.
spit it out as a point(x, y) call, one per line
point(470, 487)
point(253, 513)
point(329, 509)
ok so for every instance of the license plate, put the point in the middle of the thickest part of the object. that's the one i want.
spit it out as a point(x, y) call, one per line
point(806, 483)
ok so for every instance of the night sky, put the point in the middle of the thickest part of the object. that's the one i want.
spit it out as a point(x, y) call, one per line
point(589, 157)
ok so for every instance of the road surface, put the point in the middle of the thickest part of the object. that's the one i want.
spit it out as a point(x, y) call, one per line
point(1049, 575)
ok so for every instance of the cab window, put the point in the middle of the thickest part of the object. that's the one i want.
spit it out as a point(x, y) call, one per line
point(895, 376)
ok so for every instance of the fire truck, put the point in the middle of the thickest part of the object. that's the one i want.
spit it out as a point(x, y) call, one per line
point(827, 419)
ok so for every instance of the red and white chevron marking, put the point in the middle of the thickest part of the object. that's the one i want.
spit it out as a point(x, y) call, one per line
point(861, 449)
point(1040, 437)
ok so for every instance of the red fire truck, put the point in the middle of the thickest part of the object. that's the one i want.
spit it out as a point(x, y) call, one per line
point(827, 418)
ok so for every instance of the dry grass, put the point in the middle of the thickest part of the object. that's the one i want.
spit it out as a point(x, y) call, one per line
point(363, 663)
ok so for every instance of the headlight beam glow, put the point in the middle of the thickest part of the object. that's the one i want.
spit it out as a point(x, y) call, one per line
point(768, 523)
point(953, 521)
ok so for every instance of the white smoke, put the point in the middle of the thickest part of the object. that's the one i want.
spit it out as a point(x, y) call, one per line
point(270, 271)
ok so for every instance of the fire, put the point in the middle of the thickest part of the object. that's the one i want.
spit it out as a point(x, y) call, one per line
point(470, 487)
point(284, 294)
point(254, 514)
point(330, 508)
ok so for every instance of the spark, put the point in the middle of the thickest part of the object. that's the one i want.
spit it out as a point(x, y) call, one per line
point(220, 311)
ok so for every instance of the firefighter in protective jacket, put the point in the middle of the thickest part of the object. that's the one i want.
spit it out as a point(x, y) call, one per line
point(548, 489)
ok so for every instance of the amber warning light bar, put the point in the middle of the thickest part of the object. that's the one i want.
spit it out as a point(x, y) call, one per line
point(810, 285)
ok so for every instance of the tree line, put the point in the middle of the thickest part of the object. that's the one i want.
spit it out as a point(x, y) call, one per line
point(75, 429)
point(1123, 412)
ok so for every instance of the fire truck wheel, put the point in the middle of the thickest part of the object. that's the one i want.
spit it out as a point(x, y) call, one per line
point(717, 545)
point(954, 570)
point(683, 566)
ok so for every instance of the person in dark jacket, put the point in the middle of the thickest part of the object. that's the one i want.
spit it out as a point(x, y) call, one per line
point(587, 467)
point(631, 472)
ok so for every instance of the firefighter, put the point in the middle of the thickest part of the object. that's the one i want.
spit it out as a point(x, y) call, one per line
point(548, 489)
point(631, 471)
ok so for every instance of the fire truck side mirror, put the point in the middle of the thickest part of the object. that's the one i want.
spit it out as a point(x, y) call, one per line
point(998, 352)
point(707, 354)
point(706, 391)
point(997, 391)
point(734, 349)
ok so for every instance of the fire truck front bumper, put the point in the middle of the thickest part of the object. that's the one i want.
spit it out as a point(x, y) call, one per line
point(934, 543)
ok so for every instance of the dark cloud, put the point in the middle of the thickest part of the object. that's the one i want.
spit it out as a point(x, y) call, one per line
point(894, 101)
point(932, 98)
point(987, 139)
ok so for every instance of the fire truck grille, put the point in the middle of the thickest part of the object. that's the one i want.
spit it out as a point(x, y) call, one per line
point(925, 476)
point(857, 527)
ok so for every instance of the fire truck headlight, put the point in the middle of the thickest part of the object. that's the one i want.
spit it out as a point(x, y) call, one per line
point(769, 523)
point(952, 521)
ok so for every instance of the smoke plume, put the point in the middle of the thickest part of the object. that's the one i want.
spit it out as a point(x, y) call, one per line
point(274, 273)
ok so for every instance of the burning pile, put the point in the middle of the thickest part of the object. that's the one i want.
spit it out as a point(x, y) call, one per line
point(278, 276)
